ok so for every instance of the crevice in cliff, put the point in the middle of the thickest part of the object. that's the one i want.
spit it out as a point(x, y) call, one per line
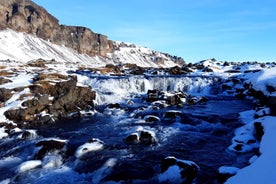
point(7, 16)
point(14, 8)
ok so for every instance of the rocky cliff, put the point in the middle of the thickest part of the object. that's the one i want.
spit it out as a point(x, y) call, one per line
point(26, 16)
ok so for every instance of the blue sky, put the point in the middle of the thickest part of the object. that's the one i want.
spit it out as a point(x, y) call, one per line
point(232, 30)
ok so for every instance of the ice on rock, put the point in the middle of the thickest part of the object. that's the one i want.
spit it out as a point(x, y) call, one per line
point(175, 170)
point(141, 135)
point(28, 134)
point(151, 118)
point(228, 170)
point(29, 165)
point(225, 172)
point(91, 146)
point(3, 133)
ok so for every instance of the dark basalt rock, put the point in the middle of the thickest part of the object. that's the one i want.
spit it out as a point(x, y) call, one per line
point(222, 177)
point(75, 99)
point(44, 119)
point(4, 80)
point(49, 146)
point(233, 71)
point(259, 130)
point(26, 135)
point(30, 108)
point(114, 106)
point(153, 95)
point(174, 99)
point(203, 99)
point(128, 170)
point(38, 63)
point(172, 114)
point(199, 66)
point(36, 102)
point(272, 104)
point(176, 70)
point(18, 115)
point(207, 69)
point(147, 138)
point(188, 172)
point(191, 101)
point(138, 71)
point(151, 118)
point(143, 137)
point(132, 139)
point(5, 94)
point(258, 95)
point(186, 69)
point(225, 87)
point(67, 97)
point(8, 126)
point(238, 147)
point(226, 63)
point(26, 16)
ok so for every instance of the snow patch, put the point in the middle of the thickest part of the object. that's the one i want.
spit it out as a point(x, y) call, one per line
point(262, 170)
point(29, 165)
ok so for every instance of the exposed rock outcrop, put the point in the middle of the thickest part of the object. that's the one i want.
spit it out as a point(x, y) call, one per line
point(48, 146)
point(54, 96)
point(26, 16)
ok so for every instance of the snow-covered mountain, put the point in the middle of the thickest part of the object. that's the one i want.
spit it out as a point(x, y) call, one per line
point(25, 47)
point(39, 31)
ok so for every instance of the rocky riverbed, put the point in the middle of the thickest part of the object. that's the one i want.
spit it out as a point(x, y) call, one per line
point(129, 124)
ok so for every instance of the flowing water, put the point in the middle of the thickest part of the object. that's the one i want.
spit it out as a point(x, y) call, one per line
point(202, 138)
point(204, 141)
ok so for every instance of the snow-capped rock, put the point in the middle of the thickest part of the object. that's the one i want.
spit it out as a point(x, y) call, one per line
point(28, 165)
point(175, 170)
point(91, 146)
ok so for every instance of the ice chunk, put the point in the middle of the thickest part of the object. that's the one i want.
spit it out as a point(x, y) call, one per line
point(28, 165)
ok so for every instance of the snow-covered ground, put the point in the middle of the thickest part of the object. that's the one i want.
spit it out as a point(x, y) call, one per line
point(263, 168)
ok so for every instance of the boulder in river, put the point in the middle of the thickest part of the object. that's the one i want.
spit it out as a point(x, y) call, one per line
point(174, 170)
point(172, 114)
point(50, 146)
point(89, 147)
point(226, 172)
point(143, 136)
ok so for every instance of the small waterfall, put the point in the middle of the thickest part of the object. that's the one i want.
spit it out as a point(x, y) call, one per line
point(115, 89)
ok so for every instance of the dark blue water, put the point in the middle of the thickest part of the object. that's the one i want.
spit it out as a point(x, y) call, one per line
point(202, 138)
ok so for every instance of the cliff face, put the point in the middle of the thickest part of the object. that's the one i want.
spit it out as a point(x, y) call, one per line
point(26, 16)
